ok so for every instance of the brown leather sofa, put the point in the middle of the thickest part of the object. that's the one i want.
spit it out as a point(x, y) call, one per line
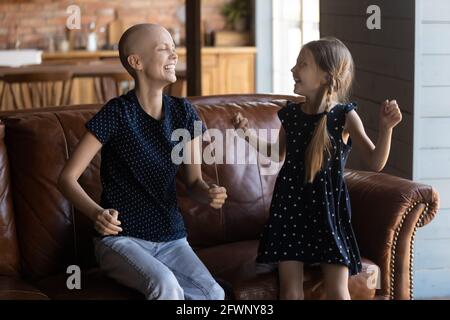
point(41, 234)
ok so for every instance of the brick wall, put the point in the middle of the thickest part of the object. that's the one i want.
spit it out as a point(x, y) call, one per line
point(37, 20)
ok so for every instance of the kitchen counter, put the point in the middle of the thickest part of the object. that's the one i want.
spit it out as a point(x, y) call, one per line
point(82, 54)
point(225, 70)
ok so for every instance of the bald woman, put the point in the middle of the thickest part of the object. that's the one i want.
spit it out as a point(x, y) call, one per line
point(141, 240)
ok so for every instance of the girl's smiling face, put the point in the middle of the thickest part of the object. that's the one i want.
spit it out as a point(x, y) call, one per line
point(308, 77)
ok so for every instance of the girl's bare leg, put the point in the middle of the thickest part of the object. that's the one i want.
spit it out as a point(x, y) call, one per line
point(291, 280)
point(336, 281)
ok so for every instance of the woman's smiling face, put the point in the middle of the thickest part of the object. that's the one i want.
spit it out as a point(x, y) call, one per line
point(160, 63)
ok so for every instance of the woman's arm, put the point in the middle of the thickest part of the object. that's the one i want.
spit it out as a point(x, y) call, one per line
point(105, 219)
point(241, 123)
point(375, 157)
point(196, 187)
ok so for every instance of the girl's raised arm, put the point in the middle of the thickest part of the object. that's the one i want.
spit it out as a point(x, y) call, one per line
point(375, 157)
point(256, 142)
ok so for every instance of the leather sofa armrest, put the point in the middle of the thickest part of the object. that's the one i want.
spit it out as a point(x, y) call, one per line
point(386, 212)
point(12, 288)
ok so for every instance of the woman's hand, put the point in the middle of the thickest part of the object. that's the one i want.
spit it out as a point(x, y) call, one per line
point(217, 196)
point(390, 115)
point(106, 222)
point(240, 122)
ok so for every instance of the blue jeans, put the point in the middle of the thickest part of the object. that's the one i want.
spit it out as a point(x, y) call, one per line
point(159, 270)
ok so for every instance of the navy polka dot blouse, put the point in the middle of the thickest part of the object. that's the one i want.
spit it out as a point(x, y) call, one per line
point(137, 172)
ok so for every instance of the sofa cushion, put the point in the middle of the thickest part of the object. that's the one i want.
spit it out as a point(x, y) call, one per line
point(94, 286)
point(235, 264)
point(231, 264)
point(13, 288)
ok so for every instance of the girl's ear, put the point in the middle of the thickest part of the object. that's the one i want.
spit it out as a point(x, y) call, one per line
point(326, 78)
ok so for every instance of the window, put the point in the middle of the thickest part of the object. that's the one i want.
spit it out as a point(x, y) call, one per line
point(295, 22)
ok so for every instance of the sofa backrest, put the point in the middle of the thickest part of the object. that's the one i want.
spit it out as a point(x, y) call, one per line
point(249, 192)
point(52, 234)
point(9, 252)
point(38, 145)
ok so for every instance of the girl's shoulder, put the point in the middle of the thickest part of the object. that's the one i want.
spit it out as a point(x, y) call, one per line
point(347, 107)
point(284, 111)
point(339, 112)
point(293, 105)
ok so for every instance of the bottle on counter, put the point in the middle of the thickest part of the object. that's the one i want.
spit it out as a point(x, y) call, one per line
point(63, 44)
point(115, 30)
point(50, 43)
point(91, 38)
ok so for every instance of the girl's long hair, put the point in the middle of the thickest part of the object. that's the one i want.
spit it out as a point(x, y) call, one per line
point(334, 58)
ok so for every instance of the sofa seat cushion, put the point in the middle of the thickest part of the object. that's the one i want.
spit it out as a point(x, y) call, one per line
point(234, 264)
point(12, 288)
point(94, 286)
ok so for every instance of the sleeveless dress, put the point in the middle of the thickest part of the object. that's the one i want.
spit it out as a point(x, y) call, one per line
point(311, 222)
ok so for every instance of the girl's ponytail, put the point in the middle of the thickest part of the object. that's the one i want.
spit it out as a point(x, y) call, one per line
point(333, 57)
point(320, 144)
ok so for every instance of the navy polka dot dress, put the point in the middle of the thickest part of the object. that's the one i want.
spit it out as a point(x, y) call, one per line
point(311, 222)
point(137, 171)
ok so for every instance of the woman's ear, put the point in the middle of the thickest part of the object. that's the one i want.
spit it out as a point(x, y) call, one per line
point(135, 62)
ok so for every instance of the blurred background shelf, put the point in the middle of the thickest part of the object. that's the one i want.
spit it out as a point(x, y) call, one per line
point(224, 69)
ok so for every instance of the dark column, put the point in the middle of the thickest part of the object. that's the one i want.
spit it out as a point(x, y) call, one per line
point(193, 47)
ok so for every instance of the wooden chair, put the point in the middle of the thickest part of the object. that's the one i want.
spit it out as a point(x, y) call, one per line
point(36, 90)
point(108, 86)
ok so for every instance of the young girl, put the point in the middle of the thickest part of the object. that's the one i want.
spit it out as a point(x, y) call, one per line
point(310, 211)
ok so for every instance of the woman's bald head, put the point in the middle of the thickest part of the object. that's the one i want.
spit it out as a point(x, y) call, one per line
point(137, 40)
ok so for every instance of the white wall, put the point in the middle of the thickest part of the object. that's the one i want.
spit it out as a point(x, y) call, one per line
point(432, 143)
